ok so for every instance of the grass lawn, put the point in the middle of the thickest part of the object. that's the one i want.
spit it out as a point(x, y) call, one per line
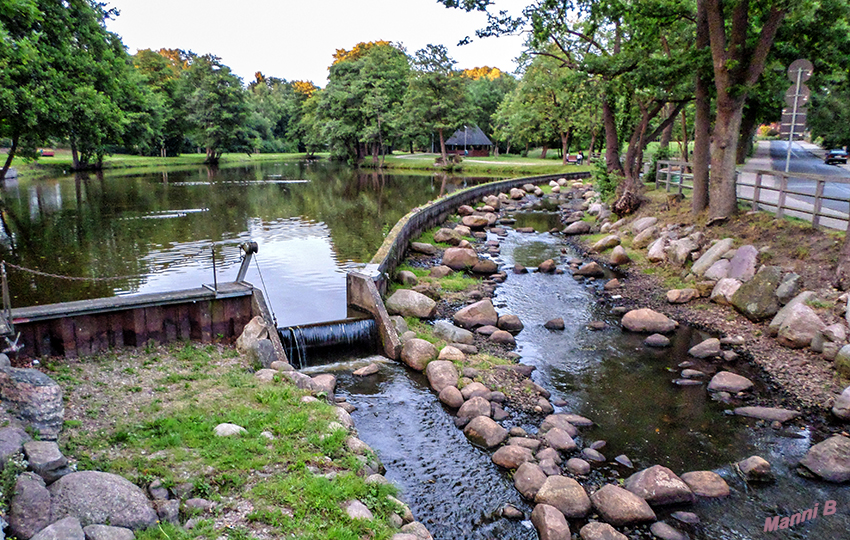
point(148, 414)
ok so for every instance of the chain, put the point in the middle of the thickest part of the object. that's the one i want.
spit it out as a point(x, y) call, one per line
point(70, 278)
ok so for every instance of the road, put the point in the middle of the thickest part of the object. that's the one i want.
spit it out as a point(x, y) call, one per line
point(806, 162)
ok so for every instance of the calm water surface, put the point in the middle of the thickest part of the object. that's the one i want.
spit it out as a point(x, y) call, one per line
point(312, 222)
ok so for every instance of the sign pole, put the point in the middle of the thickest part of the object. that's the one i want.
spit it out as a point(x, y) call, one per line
point(793, 118)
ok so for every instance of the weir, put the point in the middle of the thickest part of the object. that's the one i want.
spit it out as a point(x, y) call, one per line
point(351, 336)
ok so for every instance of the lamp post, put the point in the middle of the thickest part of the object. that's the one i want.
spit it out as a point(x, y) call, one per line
point(465, 135)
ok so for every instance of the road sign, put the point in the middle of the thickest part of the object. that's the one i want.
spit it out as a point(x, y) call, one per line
point(801, 95)
point(802, 68)
point(796, 98)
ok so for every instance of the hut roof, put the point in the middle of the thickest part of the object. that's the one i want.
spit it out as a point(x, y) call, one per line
point(470, 136)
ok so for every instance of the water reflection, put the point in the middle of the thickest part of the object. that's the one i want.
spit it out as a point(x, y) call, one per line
point(312, 221)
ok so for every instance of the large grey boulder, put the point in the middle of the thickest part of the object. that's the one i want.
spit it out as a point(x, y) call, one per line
point(606, 243)
point(647, 320)
point(484, 431)
point(679, 251)
point(620, 507)
point(98, 497)
point(452, 334)
point(641, 224)
point(29, 511)
point(743, 264)
point(441, 373)
point(756, 299)
point(566, 495)
point(658, 485)
point(726, 381)
point(596, 530)
point(591, 269)
point(46, 460)
point(107, 532)
point(68, 528)
point(424, 248)
point(559, 439)
point(511, 456)
point(12, 441)
point(561, 421)
point(705, 349)
point(409, 303)
point(657, 251)
point(447, 236)
point(707, 484)
point(770, 414)
point(645, 237)
point(841, 407)
point(458, 258)
point(718, 270)
point(35, 399)
point(723, 291)
point(711, 256)
point(474, 407)
point(578, 227)
point(803, 298)
point(481, 313)
point(528, 479)
point(830, 459)
point(799, 327)
point(416, 353)
point(550, 523)
point(789, 287)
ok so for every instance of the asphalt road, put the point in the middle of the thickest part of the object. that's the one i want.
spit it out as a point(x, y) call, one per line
point(803, 161)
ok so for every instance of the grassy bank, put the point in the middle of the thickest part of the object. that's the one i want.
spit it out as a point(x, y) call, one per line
point(148, 414)
point(501, 165)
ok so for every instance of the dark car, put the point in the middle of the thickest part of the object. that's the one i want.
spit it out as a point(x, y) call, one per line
point(835, 156)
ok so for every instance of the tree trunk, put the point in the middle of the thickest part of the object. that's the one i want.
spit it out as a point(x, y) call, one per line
point(9, 158)
point(565, 137)
point(748, 131)
point(723, 198)
point(592, 144)
point(667, 134)
point(443, 147)
point(612, 144)
point(75, 158)
point(842, 273)
point(543, 153)
point(702, 122)
point(684, 136)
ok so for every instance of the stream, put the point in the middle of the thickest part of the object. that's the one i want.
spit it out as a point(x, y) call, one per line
point(608, 376)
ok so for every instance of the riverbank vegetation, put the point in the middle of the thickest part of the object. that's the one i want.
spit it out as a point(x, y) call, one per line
point(148, 414)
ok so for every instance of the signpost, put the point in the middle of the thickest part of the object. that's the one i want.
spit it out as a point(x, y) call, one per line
point(796, 99)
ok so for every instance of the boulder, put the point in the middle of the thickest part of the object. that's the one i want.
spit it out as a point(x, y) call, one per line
point(478, 314)
point(12, 441)
point(528, 479)
point(620, 507)
point(458, 258)
point(440, 271)
point(503, 338)
point(365, 371)
point(596, 530)
point(475, 223)
point(647, 320)
point(706, 484)
point(658, 485)
point(842, 361)
point(803, 298)
point(547, 267)
point(578, 466)
point(517, 193)
point(706, 349)
point(483, 431)
point(416, 353)
point(645, 237)
point(33, 398)
point(578, 227)
point(830, 459)
point(257, 329)
point(605, 243)
point(324, 382)
point(357, 510)
point(591, 269)
point(641, 224)
point(724, 290)
point(406, 277)
point(512, 456)
point(756, 299)
point(475, 389)
point(452, 334)
point(422, 247)
point(679, 251)
point(555, 324)
point(619, 256)
point(800, 326)
point(451, 396)
point(46, 460)
point(559, 439)
point(550, 523)
point(743, 264)
point(789, 287)
point(452, 354)
point(718, 271)
point(409, 303)
point(726, 381)
point(510, 323)
point(441, 373)
point(485, 266)
point(228, 430)
point(566, 495)
point(769, 414)
point(97, 497)
point(681, 296)
point(841, 407)
point(661, 530)
point(447, 236)
point(755, 468)
point(68, 528)
point(560, 421)
point(474, 407)
point(29, 510)
point(107, 532)
point(657, 340)
point(657, 251)
point(711, 256)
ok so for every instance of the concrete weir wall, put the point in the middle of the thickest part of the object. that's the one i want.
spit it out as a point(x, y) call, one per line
point(382, 266)
point(364, 288)
point(73, 329)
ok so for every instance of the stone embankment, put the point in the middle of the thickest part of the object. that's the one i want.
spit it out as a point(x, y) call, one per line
point(551, 466)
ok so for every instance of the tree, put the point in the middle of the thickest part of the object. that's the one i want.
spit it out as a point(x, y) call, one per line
point(487, 89)
point(217, 109)
point(437, 99)
point(161, 71)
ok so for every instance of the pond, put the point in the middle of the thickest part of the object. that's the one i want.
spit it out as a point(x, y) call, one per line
point(158, 231)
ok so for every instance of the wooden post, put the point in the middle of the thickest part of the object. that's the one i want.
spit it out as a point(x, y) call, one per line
point(818, 203)
point(681, 177)
point(757, 192)
point(669, 174)
point(783, 187)
point(657, 172)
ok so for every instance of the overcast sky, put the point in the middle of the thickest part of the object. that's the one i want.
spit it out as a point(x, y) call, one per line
point(296, 39)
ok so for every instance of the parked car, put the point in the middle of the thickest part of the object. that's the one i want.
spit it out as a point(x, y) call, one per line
point(835, 156)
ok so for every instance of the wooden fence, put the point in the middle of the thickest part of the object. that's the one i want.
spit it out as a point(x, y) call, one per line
point(770, 190)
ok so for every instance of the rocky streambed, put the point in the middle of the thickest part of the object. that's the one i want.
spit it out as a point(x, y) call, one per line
point(646, 432)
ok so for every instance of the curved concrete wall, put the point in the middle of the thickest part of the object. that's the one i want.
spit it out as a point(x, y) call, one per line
point(392, 251)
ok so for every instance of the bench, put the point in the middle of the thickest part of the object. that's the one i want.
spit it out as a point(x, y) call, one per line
point(572, 158)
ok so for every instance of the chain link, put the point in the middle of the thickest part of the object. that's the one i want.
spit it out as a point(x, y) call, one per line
point(69, 278)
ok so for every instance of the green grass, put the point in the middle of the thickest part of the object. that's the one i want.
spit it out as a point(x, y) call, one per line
point(176, 444)
point(502, 165)
point(457, 282)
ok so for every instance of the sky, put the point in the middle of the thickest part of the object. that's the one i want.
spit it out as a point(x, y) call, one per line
point(296, 39)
